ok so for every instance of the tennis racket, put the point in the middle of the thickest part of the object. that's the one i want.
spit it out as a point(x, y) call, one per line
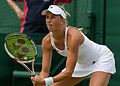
point(22, 49)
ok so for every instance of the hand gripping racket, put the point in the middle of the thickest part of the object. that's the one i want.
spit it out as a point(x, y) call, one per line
point(22, 49)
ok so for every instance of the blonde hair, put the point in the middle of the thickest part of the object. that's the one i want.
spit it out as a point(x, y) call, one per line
point(67, 13)
point(62, 7)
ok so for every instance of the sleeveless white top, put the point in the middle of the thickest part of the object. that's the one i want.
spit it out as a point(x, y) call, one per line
point(61, 52)
point(89, 52)
point(86, 50)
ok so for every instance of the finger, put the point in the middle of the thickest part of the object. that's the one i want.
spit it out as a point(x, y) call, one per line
point(32, 78)
point(33, 84)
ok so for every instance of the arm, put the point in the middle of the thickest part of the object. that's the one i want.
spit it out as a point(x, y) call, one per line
point(15, 7)
point(46, 62)
point(47, 54)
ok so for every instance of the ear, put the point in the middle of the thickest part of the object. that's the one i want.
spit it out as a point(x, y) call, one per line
point(63, 20)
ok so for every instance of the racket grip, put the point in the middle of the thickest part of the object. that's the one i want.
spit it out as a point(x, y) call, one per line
point(34, 76)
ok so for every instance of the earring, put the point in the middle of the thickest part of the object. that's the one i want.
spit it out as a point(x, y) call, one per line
point(63, 23)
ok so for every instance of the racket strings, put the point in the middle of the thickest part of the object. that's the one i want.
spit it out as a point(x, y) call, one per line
point(21, 47)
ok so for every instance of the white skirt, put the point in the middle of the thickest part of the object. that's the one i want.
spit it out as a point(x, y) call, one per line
point(105, 62)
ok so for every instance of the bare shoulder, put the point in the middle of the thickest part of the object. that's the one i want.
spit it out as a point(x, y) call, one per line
point(46, 38)
point(75, 36)
point(46, 42)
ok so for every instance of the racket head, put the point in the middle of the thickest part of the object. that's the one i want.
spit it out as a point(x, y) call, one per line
point(20, 47)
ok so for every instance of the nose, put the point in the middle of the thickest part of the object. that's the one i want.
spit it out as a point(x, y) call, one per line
point(48, 20)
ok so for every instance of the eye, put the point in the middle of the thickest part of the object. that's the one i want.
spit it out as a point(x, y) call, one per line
point(50, 17)
point(47, 16)
point(53, 17)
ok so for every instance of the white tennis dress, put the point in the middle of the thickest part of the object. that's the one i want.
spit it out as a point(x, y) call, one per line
point(92, 57)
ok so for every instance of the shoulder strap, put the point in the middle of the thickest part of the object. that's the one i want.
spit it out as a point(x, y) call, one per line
point(66, 37)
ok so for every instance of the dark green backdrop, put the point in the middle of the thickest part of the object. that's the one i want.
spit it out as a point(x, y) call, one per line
point(101, 18)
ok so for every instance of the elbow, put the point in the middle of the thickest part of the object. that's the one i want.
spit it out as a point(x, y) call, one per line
point(68, 73)
point(7, 0)
point(10, 1)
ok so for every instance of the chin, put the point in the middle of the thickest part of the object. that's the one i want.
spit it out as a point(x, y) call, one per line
point(50, 29)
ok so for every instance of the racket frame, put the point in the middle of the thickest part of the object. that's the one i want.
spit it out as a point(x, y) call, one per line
point(32, 72)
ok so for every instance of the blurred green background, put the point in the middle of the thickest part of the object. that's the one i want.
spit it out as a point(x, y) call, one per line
point(100, 19)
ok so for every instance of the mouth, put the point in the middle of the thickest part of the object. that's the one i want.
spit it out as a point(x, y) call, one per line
point(49, 25)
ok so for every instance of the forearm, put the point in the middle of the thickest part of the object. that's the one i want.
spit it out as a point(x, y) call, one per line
point(50, 80)
point(62, 76)
point(43, 74)
point(14, 6)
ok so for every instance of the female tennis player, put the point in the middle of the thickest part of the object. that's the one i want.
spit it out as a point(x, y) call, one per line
point(84, 57)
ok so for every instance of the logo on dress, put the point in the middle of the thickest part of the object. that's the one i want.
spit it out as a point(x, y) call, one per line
point(93, 62)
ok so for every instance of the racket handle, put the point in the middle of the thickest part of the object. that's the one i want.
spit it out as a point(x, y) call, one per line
point(34, 76)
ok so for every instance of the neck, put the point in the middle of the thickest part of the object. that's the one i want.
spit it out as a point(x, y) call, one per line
point(60, 34)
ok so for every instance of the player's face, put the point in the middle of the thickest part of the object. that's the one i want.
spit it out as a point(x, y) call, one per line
point(53, 22)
